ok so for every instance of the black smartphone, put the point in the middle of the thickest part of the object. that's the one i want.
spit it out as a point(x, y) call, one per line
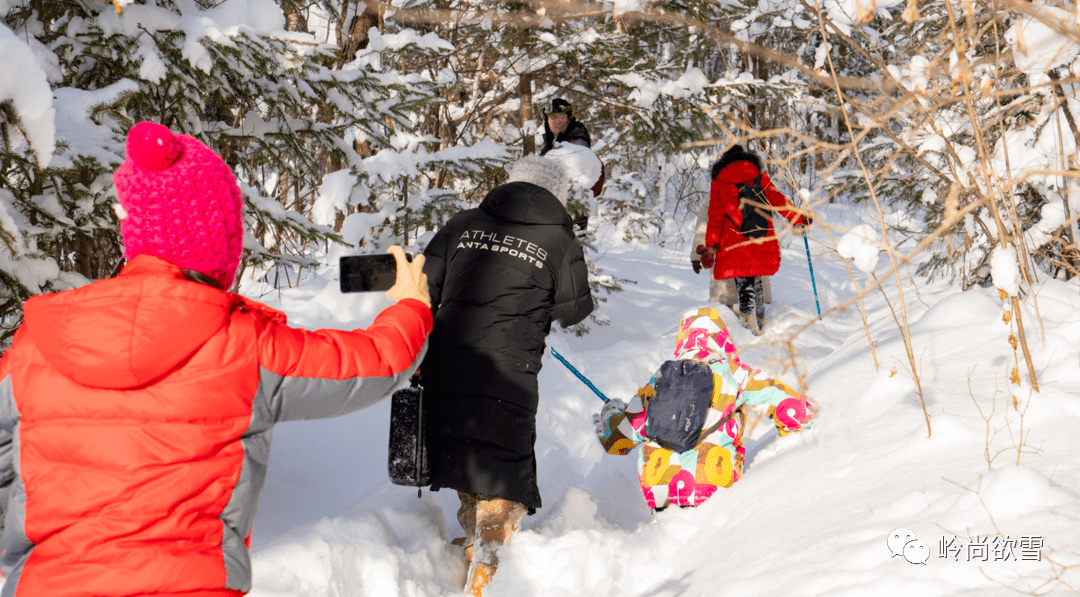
point(364, 273)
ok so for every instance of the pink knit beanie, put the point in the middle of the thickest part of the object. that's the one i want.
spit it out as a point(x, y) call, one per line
point(182, 203)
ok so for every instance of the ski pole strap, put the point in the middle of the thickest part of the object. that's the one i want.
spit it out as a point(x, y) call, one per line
point(579, 375)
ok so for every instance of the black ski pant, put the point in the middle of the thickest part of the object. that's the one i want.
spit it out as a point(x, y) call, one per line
point(751, 301)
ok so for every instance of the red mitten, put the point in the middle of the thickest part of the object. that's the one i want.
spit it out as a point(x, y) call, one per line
point(708, 256)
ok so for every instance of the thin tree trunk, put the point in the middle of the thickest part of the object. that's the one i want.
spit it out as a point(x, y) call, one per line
point(525, 94)
point(1003, 233)
point(525, 112)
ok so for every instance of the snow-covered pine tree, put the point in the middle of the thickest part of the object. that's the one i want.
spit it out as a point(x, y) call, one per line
point(283, 109)
point(409, 176)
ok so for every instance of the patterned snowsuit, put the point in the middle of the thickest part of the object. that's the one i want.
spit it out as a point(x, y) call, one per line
point(689, 478)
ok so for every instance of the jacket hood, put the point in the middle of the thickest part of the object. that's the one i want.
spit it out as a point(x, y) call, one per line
point(128, 331)
point(733, 157)
point(705, 337)
point(525, 203)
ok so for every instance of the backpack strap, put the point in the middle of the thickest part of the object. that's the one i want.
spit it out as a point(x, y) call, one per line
point(708, 431)
point(739, 186)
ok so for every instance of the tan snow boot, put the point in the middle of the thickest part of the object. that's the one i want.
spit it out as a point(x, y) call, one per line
point(479, 577)
point(460, 542)
point(489, 524)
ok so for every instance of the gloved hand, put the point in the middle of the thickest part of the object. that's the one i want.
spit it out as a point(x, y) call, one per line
point(696, 264)
point(613, 406)
point(708, 256)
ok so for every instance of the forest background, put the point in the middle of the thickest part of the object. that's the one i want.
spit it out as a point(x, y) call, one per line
point(936, 137)
point(369, 123)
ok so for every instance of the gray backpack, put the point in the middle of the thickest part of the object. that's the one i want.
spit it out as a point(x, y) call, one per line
point(676, 414)
point(753, 203)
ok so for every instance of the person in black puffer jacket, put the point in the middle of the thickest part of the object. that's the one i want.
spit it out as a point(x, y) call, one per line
point(560, 125)
point(498, 276)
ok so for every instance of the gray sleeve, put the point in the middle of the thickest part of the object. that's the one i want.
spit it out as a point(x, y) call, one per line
point(9, 417)
point(284, 398)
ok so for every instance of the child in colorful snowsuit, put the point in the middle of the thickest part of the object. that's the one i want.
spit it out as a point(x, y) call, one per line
point(691, 477)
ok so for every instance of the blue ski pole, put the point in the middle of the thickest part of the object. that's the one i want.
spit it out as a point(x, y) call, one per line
point(806, 243)
point(579, 375)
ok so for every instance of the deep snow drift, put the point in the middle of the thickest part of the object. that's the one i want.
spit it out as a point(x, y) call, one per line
point(814, 512)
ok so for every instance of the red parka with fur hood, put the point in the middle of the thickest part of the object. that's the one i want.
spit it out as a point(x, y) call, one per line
point(738, 256)
point(139, 410)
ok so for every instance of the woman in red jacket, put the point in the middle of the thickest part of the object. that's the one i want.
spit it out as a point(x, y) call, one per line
point(141, 406)
point(719, 246)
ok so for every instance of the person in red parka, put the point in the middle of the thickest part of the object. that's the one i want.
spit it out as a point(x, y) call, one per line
point(736, 260)
point(141, 406)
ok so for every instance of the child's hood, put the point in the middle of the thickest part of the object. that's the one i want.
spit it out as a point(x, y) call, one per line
point(128, 331)
point(705, 337)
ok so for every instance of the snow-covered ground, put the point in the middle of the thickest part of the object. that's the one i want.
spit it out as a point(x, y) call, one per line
point(991, 494)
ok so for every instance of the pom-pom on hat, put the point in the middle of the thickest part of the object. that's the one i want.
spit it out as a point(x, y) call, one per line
point(180, 202)
point(543, 172)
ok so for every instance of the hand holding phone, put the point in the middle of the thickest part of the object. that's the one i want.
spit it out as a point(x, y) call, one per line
point(411, 281)
point(395, 272)
point(367, 273)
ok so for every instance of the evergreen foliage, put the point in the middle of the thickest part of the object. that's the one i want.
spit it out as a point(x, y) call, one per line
point(280, 108)
point(366, 123)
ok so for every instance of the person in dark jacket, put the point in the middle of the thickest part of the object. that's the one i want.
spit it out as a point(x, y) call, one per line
point(741, 266)
point(498, 276)
point(560, 125)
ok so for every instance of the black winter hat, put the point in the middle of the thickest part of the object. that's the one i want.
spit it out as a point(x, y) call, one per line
point(735, 154)
point(560, 105)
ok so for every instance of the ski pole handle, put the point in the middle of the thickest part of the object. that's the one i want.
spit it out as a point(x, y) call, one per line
point(579, 375)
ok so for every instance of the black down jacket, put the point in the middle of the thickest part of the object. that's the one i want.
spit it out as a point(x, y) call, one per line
point(575, 133)
point(498, 275)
